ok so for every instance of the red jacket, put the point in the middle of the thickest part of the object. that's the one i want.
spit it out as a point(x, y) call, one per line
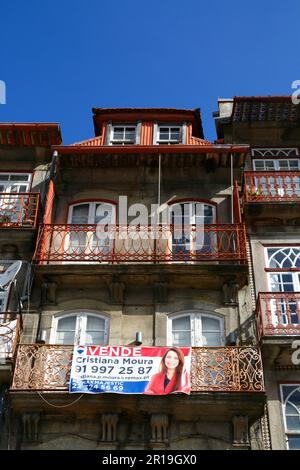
point(156, 385)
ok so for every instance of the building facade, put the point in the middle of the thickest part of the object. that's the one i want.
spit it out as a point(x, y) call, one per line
point(150, 168)
point(271, 197)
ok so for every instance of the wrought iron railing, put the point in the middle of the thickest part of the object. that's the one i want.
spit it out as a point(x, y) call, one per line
point(18, 210)
point(10, 331)
point(125, 244)
point(220, 369)
point(278, 313)
point(272, 186)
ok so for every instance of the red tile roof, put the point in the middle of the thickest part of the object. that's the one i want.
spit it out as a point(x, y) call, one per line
point(264, 108)
point(97, 142)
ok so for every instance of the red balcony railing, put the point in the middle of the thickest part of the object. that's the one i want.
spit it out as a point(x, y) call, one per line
point(272, 186)
point(10, 331)
point(125, 244)
point(18, 209)
point(222, 369)
point(278, 313)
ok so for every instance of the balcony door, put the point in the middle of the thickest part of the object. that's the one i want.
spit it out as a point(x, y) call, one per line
point(188, 220)
point(12, 207)
point(269, 185)
point(91, 237)
point(80, 328)
point(286, 279)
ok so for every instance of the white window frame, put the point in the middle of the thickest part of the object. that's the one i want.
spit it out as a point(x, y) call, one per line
point(123, 141)
point(92, 211)
point(90, 235)
point(156, 133)
point(80, 327)
point(196, 326)
point(276, 164)
point(192, 245)
point(283, 405)
point(8, 183)
point(278, 152)
point(295, 274)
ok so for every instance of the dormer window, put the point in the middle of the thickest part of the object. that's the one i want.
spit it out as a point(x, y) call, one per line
point(169, 134)
point(123, 135)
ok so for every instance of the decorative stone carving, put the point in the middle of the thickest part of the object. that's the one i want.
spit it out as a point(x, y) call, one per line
point(230, 293)
point(116, 289)
point(159, 427)
point(30, 426)
point(161, 292)
point(240, 431)
point(49, 292)
point(109, 427)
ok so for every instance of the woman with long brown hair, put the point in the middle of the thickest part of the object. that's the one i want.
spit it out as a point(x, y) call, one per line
point(172, 376)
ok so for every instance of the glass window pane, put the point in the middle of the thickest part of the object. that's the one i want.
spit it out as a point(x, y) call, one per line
point(295, 398)
point(293, 423)
point(103, 212)
point(270, 165)
point(80, 214)
point(4, 177)
point(66, 330)
point(181, 338)
point(118, 133)
point(182, 323)
point(294, 442)
point(175, 134)
point(210, 324)
point(23, 177)
point(259, 165)
point(211, 339)
point(290, 409)
point(65, 337)
point(68, 323)
point(164, 133)
point(95, 324)
point(94, 337)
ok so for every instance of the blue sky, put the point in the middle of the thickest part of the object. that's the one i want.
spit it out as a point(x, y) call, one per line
point(59, 58)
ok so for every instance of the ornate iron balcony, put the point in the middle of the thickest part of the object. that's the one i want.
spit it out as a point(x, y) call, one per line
point(126, 244)
point(278, 313)
point(220, 369)
point(18, 210)
point(272, 186)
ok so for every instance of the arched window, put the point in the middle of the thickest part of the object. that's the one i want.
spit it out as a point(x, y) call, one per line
point(92, 212)
point(286, 278)
point(284, 257)
point(187, 219)
point(91, 236)
point(195, 329)
point(290, 394)
point(83, 328)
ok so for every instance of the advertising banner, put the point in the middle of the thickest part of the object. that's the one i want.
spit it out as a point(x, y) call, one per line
point(131, 370)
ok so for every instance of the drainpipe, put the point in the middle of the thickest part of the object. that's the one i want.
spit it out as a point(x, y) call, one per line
point(52, 170)
point(155, 241)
